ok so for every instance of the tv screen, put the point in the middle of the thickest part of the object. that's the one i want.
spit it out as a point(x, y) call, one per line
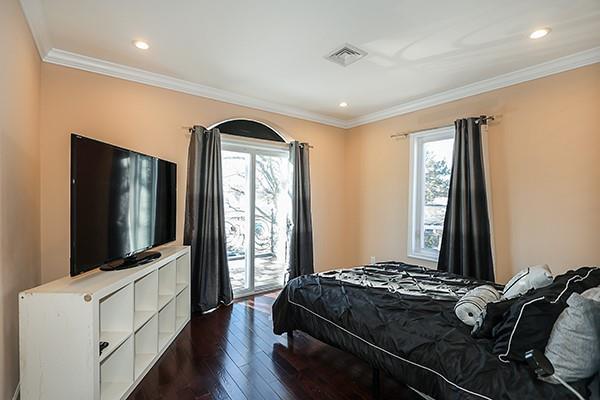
point(122, 203)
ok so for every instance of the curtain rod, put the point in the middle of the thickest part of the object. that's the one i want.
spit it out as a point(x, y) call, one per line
point(483, 119)
point(190, 128)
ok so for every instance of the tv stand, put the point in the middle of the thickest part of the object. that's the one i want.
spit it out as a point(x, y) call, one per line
point(131, 261)
point(95, 336)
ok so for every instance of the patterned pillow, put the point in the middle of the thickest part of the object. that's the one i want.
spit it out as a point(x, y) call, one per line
point(527, 324)
point(473, 303)
point(534, 277)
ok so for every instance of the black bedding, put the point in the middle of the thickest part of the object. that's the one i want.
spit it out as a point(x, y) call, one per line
point(400, 318)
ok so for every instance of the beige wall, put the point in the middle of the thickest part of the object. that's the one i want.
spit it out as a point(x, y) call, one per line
point(19, 180)
point(149, 120)
point(544, 164)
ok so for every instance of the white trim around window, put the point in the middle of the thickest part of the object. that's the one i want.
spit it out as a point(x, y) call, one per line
point(233, 142)
point(416, 248)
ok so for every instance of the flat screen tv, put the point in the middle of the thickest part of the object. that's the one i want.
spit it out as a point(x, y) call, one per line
point(122, 204)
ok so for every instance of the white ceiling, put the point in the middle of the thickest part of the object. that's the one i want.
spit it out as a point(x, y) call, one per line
point(273, 51)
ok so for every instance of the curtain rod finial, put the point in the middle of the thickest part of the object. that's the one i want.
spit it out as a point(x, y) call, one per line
point(484, 119)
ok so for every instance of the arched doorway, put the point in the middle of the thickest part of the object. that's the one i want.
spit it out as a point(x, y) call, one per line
point(256, 175)
point(250, 129)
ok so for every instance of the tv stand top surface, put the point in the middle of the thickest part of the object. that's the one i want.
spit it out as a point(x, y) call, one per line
point(96, 282)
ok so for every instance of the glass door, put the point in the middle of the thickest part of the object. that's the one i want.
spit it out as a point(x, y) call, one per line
point(257, 209)
point(236, 185)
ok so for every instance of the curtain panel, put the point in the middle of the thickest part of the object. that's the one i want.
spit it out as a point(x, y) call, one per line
point(204, 227)
point(301, 241)
point(466, 241)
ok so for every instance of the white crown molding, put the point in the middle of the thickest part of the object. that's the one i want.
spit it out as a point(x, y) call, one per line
point(36, 18)
point(35, 14)
point(552, 67)
point(73, 60)
point(90, 64)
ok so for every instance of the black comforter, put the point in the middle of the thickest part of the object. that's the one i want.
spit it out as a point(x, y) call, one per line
point(400, 319)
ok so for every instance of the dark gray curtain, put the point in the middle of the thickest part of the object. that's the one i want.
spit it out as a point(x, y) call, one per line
point(205, 222)
point(466, 244)
point(301, 242)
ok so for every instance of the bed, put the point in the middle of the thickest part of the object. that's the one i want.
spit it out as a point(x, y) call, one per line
point(399, 318)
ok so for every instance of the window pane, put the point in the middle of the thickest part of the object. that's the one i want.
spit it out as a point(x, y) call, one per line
point(257, 204)
point(437, 161)
point(271, 220)
point(236, 200)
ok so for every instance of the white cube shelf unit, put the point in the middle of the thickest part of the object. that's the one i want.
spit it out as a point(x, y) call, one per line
point(138, 311)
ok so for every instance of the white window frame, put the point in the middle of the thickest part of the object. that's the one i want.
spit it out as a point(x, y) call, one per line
point(253, 147)
point(417, 190)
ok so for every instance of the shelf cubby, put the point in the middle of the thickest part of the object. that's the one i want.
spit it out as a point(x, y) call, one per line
point(180, 287)
point(166, 324)
point(116, 319)
point(116, 372)
point(146, 299)
point(183, 272)
point(146, 345)
point(166, 283)
point(182, 308)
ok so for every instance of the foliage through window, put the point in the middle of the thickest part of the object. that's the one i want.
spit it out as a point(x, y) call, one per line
point(257, 203)
point(431, 155)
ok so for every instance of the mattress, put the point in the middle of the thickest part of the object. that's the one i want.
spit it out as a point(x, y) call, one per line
point(400, 318)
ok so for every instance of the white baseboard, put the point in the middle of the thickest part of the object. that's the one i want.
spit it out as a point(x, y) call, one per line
point(17, 392)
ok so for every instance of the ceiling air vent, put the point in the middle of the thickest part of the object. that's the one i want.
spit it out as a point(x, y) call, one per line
point(346, 55)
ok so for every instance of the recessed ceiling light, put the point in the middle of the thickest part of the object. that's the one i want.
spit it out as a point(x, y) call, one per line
point(140, 44)
point(539, 33)
point(343, 104)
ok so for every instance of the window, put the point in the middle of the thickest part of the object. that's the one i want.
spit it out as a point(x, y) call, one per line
point(431, 164)
point(257, 198)
point(249, 129)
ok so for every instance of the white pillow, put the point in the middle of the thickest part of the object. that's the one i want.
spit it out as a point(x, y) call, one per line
point(473, 303)
point(529, 278)
point(574, 344)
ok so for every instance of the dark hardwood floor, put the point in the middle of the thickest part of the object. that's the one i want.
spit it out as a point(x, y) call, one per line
point(233, 353)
